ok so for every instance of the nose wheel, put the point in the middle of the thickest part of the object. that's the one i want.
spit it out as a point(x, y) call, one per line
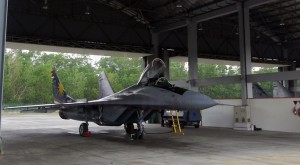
point(84, 130)
point(137, 134)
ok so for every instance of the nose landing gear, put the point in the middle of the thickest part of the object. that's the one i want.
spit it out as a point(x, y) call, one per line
point(84, 130)
point(139, 132)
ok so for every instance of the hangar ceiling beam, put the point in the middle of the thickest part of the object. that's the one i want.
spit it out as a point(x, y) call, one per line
point(3, 17)
point(213, 14)
point(218, 81)
point(200, 18)
point(288, 75)
point(293, 44)
point(254, 3)
point(278, 76)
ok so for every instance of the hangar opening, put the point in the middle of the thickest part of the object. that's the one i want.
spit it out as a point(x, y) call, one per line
point(245, 32)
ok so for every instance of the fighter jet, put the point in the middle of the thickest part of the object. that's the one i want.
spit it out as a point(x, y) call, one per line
point(130, 106)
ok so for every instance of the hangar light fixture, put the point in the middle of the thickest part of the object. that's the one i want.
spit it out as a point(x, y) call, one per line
point(200, 27)
point(45, 6)
point(236, 32)
point(87, 12)
point(179, 5)
point(257, 35)
point(281, 23)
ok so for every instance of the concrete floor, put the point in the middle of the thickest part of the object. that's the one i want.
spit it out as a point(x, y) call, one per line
point(46, 140)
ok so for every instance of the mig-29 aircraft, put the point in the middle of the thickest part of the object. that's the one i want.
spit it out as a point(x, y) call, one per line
point(134, 104)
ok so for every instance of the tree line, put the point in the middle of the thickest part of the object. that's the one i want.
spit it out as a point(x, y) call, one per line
point(27, 76)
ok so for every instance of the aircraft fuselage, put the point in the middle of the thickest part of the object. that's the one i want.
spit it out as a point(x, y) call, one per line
point(174, 98)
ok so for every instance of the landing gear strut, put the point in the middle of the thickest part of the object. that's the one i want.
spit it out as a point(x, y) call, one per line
point(84, 128)
point(139, 132)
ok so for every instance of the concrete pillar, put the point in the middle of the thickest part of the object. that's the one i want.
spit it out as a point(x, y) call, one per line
point(245, 52)
point(3, 17)
point(192, 53)
point(289, 84)
point(155, 44)
point(284, 52)
point(292, 83)
point(166, 58)
point(283, 69)
point(145, 61)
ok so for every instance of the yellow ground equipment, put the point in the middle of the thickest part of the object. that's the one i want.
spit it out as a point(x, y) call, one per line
point(176, 123)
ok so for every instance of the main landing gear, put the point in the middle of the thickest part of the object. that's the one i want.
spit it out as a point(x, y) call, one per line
point(84, 130)
point(136, 133)
point(129, 128)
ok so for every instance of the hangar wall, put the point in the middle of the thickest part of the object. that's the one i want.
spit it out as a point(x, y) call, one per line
point(220, 116)
point(274, 114)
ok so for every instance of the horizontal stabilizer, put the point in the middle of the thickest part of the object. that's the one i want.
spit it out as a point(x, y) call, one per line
point(104, 86)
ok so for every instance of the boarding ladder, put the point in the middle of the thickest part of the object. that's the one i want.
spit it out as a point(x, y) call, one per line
point(176, 123)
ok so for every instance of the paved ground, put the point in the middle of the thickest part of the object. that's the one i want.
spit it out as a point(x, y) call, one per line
point(46, 140)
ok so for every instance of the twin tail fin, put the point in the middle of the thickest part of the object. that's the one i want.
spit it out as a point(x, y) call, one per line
point(59, 93)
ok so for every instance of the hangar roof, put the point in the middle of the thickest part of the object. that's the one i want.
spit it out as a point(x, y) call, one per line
point(126, 25)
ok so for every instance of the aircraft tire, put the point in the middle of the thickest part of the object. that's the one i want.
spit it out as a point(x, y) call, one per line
point(135, 135)
point(83, 128)
point(197, 125)
point(129, 128)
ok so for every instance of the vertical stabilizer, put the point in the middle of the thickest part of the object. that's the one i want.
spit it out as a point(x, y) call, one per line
point(104, 86)
point(280, 91)
point(59, 93)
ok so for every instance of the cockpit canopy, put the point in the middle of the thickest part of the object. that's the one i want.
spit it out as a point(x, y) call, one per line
point(152, 71)
point(152, 76)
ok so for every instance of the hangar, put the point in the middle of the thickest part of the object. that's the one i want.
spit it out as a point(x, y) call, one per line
point(246, 31)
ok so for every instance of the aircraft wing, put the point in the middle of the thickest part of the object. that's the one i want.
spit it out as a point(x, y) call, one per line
point(135, 96)
point(33, 106)
point(41, 108)
point(142, 100)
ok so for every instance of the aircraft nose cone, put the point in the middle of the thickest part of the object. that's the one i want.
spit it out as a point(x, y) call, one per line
point(197, 101)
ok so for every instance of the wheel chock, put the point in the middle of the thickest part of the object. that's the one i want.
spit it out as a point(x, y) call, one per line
point(87, 134)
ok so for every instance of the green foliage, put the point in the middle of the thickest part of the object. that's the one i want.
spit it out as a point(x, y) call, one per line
point(219, 91)
point(28, 77)
point(122, 72)
point(178, 71)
